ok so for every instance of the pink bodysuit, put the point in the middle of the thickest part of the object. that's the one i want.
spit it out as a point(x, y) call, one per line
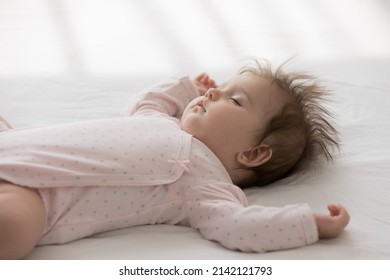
point(142, 169)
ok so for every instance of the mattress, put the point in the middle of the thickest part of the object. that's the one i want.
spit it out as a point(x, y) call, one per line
point(66, 61)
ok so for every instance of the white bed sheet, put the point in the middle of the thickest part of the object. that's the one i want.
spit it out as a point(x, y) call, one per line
point(61, 62)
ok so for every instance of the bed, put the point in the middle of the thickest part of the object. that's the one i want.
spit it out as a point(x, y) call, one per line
point(64, 61)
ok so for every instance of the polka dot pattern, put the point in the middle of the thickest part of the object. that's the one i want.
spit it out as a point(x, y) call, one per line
point(254, 228)
point(106, 152)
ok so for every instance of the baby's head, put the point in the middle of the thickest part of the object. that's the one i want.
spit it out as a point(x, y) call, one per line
point(263, 124)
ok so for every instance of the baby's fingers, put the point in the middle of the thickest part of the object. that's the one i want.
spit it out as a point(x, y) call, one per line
point(206, 81)
point(339, 212)
point(200, 77)
point(334, 209)
point(211, 83)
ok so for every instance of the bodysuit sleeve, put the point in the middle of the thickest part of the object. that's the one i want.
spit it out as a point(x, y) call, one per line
point(225, 218)
point(170, 97)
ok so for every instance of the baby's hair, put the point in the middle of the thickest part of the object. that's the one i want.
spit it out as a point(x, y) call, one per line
point(303, 130)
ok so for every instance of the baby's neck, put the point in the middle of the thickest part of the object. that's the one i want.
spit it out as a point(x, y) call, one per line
point(235, 170)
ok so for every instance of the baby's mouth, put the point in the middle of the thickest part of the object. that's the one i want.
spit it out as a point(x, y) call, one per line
point(200, 104)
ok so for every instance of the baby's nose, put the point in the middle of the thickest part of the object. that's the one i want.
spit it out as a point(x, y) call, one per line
point(212, 94)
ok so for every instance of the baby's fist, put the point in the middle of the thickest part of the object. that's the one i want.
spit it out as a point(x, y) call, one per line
point(203, 82)
point(332, 225)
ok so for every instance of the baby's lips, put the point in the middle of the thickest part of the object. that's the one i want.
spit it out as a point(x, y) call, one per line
point(200, 103)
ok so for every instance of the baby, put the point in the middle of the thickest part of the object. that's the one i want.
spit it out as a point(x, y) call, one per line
point(181, 156)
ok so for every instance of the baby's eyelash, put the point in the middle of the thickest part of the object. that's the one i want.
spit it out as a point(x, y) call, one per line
point(235, 101)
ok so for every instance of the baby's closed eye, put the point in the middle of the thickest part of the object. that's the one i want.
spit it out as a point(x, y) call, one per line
point(235, 101)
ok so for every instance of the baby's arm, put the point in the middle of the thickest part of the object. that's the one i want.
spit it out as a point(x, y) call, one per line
point(332, 225)
point(170, 97)
point(222, 214)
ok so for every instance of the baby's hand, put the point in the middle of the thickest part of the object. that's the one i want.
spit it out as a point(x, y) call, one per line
point(204, 82)
point(332, 225)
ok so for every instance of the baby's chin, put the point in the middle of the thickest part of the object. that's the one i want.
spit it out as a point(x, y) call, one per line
point(186, 123)
point(186, 128)
point(190, 130)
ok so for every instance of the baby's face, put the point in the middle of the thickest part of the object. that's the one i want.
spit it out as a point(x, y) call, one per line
point(234, 115)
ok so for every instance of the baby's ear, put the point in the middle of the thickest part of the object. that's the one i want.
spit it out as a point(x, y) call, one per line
point(255, 156)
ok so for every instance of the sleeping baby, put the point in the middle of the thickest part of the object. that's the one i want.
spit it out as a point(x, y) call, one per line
point(181, 155)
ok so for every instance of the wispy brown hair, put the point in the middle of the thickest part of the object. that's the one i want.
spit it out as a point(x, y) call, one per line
point(302, 132)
